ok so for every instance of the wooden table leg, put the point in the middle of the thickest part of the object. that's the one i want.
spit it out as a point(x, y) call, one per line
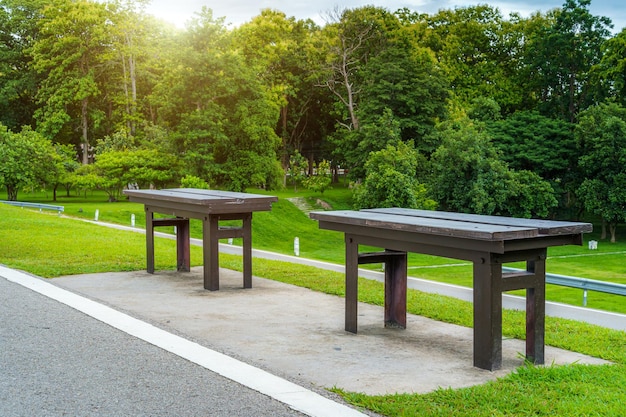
point(149, 241)
point(352, 283)
point(210, 252)
point(247, 250)
point(536, 312)
point(183, 256)
point(395, 291)
point(488, 313)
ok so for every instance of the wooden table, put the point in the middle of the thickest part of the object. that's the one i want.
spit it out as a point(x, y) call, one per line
point(487, 241)
point(211, 207)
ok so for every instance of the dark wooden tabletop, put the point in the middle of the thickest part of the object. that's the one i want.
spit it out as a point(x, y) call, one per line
point(460, 225)
point(204, 199)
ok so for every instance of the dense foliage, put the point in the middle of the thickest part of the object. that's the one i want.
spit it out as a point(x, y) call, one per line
point(491, 114)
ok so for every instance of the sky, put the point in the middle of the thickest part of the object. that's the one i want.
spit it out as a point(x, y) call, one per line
point(236, 12)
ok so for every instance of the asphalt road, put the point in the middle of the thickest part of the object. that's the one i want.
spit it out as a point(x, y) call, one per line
point(56, 361)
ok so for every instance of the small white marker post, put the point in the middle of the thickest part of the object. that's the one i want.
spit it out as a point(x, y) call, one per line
point(296, 246)
point(97, 215)
point(132, 220)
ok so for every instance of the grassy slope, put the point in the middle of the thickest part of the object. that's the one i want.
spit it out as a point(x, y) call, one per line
point(276, 230)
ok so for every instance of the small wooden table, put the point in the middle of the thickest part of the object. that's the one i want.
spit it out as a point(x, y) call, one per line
point(210, 206)
point(487, 241)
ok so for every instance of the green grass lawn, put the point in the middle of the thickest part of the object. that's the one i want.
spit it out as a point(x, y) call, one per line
point(275, 231)
point(48, 245)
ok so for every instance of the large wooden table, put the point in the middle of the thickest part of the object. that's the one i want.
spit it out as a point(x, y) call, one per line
point(487, 241)
point(211, 207)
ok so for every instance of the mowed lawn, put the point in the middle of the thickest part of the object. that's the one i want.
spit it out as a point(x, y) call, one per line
point(276, 230)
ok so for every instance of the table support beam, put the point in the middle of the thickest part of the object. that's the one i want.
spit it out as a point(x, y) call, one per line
point(536, 313)
point(395, 263)
point(488, 313)
point(210, 252)
point(247, 250)
point(352, 283)
point(149, 241)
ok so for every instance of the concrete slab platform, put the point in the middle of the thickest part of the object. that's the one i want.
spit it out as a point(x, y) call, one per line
point(298, 333)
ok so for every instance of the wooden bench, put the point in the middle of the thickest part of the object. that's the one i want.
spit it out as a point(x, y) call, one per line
point(211, 207)
point(487, 241)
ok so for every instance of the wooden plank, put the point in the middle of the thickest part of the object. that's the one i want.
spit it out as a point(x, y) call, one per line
point(425, 225)
point(225, 194)
point(198, 211)
point(211, 199)
point(545, 227)
point(378, 257)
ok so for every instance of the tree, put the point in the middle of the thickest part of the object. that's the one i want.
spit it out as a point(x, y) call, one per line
point(320, 180)
point(479, 51)
point(297, 170)
point(65, 165)
point(27, 160)
point(529, 141)
point(221, 115)
point(407, 80)
point(468, 175)
point(391, 180)
point(142, 167)
point(282, 49)
point(18, 88)
point(610, 73)
point(130, 33)
point(562, 81)
point(348, 40)
point(379, 75)
point(601, 134)
point(356, 146)
point(69, 53)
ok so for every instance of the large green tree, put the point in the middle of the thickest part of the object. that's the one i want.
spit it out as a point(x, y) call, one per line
point(391, 181)
point(479, 51)
point(282, 50)
point(222, 116)
point(18, 80)
point(467, 174)
point(379, 76)
point(610, 72)
point(28, 160)
point(601, 135)
point(562, 80)
point(141, 167)
point(73, 36)
point(529, 141)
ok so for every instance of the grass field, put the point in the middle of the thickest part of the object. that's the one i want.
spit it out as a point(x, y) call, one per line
point(48, 245)
point(275, 231)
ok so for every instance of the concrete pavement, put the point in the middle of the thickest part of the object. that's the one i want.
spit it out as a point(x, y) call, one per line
point(299, 333)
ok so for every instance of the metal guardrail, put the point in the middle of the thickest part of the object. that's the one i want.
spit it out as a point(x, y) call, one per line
point(39, 206)
point(584, 284)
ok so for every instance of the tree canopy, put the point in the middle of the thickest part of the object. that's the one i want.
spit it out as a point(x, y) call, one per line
point(480, 112)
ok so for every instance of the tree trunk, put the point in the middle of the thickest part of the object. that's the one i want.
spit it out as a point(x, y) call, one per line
point(126, 94)
point(133, 91)
point(11, 193)
point(603, 234)
point(613, 230)
point(85, 128)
